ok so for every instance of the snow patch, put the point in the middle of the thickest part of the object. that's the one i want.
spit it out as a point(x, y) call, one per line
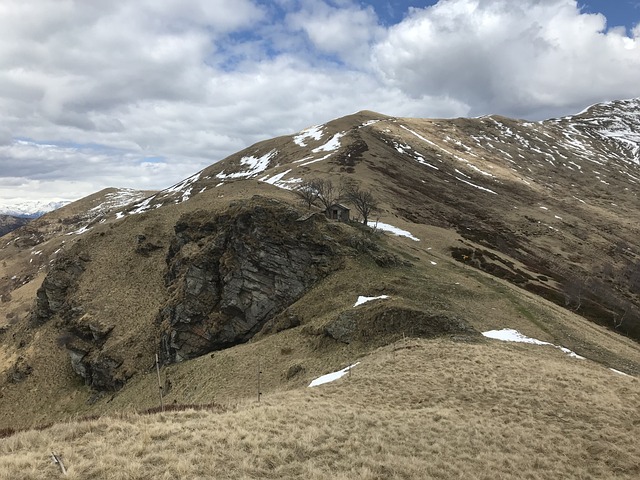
point(142, 206)
point(475, 186)
point(276, 178)
point(80, 231)
point(255, 166)
point(316, 160)
point(314, 133)
point(332, 377)
point(395, 230)
point(511, 335)
point(332, 145)
point(362, 299)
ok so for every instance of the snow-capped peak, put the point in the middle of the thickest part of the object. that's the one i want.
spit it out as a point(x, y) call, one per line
point(30, 208)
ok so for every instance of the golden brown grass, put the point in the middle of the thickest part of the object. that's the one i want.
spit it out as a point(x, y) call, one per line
point(415, 409)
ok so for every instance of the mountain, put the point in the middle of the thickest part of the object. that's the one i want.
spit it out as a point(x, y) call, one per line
point(485, 229)
point(9, 223)
point(31, 209)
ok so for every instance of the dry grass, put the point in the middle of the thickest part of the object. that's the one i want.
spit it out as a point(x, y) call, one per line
point(418, 409)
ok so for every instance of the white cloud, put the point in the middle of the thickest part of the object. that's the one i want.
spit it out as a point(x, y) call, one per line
point(192, 81)
point(345, 31)
point(516, 58)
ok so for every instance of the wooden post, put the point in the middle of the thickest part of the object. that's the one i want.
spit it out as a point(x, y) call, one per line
point(57, 459)
point(259, 379)
point(159, 383)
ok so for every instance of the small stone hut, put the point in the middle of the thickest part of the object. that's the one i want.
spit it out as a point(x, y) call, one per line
point(338, 212)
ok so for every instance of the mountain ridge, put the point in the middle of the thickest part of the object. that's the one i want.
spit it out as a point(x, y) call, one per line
point(515, 224)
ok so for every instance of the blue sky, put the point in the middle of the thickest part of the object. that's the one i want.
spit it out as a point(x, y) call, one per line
point(618, 12)
point(90, 91)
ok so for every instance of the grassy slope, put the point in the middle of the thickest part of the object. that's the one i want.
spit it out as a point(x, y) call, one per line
point(53, 393)
point(439, 409)
point(414, 409)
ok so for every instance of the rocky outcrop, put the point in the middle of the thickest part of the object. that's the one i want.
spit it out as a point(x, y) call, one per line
point(82, 335)
point(98, 369)
point(19, 371)
point(229, 274)
point(381, 324)
point(53, 295)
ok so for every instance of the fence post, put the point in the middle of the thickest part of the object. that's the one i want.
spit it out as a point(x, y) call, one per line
point(159, 383)
point(259, 379)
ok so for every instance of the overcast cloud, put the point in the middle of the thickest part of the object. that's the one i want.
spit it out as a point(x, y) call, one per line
point(144, 93)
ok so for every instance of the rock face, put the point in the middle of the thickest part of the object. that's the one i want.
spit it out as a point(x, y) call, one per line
point(82, 335)
point(53, 296)
point(229, 274)
point(98, 369)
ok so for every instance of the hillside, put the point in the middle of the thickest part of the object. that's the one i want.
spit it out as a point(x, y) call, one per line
point(483, 224)
point(412, 409)
point(9, 223)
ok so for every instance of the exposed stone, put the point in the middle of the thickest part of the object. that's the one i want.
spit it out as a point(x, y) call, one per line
point(384, 323)
point(99, 370)
point(91, 329)
point(231, 273)
point(293, 371)
point(52, 296)
point(19, 371)
point(145, 247)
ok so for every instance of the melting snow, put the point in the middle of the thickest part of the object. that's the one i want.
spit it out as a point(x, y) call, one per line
point(511, 335)
point(475, 186)
point(362, 299)
point(316, 160)
point(331, 377)
point(278, 181)
point(256, 165)
point(184, 187)
point(80, 231)
point(142, 206)
point(314, 133)
point(276, 178)
point(619, 372)
point(120, 198)
point(390, 228)
point(331, 145)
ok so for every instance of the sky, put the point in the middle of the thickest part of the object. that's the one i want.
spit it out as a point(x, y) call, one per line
point(143, 93)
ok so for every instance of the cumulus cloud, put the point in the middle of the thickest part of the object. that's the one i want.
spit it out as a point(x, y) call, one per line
point(345, 31)
point(522, 58)
point(91, 90)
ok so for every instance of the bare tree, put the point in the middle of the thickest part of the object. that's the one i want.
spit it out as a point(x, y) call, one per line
point(308, 192)
point(328, 193)
point(363, 200)
point(574, 289)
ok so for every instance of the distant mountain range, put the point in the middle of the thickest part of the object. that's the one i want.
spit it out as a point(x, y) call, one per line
point(31, 208)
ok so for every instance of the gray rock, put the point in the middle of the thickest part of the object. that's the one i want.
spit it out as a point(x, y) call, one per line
point(232, 273)
point(53, 295)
